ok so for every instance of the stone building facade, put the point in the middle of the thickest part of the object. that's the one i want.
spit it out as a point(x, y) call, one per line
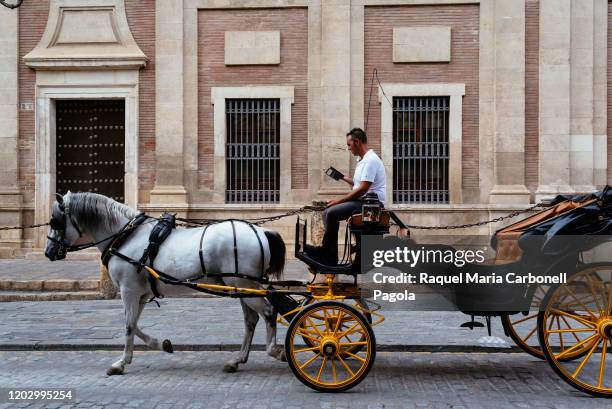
point(477, 107)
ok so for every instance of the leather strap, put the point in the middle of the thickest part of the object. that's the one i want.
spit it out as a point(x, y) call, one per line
point(235, 248)
point(201, 251)
point(123, 235)
point(261, 249)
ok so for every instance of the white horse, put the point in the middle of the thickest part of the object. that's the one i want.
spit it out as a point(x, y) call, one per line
point(77, 216)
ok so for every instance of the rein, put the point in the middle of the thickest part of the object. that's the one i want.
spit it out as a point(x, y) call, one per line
point(127, 228)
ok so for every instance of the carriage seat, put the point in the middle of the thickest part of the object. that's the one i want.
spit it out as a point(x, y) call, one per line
point(356, 220)
point(508, 250)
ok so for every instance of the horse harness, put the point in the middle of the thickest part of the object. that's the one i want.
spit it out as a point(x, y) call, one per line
point(236, 273)
point(158, 235)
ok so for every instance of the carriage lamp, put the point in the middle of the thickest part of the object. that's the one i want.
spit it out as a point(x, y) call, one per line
point(371, 208)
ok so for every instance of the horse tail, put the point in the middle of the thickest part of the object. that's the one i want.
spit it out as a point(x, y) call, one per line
point(277, 254)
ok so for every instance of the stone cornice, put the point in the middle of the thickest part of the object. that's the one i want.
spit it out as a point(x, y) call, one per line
point(91, 35)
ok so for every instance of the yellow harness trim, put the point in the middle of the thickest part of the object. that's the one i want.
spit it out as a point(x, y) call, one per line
point(217, 287)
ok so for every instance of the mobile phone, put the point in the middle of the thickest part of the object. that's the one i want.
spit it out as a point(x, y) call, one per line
point(334, 173)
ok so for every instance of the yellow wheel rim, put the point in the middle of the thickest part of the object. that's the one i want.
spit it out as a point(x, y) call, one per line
point(329, 360)
point(523, 328)
point(577, 322)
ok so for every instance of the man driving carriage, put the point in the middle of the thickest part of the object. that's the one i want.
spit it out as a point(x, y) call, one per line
point(369, 177)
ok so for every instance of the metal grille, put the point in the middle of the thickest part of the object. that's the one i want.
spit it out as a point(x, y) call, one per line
point(252, 150)
point(420, 149)
point(90, 151)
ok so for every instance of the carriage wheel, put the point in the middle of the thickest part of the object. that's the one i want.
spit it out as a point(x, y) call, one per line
point(583, 305)
point(328, 364)
point(522, 329)
point(361, 306)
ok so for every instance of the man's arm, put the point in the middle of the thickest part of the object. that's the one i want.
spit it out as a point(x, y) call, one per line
point(348, 180)
point(354, 195)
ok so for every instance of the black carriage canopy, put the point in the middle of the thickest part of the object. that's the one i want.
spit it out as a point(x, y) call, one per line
point(544, 248)
point(572, 223)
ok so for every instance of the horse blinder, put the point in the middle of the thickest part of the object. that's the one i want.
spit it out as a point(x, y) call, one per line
point(56, 224)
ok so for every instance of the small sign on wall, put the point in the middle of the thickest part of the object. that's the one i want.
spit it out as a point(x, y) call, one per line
point(26, 106)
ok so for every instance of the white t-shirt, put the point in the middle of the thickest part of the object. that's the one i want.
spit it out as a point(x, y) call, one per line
point(371, 169)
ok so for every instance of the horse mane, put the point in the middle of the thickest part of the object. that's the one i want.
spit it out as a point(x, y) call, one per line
point(93, 210)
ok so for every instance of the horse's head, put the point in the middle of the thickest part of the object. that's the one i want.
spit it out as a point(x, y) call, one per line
point(64, 230)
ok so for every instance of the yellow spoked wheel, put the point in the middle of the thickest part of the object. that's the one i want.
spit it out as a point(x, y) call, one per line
point(330, 362)
point(361, 306)
point(523, 328)
point(576, 318)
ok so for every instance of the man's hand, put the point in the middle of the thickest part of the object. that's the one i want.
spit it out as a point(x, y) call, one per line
point(354, 195)
point(333, 202)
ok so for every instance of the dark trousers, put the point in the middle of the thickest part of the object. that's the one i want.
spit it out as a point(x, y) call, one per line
point(332, 216)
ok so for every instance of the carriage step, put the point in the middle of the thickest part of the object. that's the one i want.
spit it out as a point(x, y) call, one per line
point(10, 296)
point(472, 324)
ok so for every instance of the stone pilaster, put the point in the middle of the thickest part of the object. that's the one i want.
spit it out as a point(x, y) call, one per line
point(509, 144)
point(582, 93)
point(600, 92)
point(169, 185)
point(555, 92)
point(335, 90)
point(10, 196)
point(486, 102)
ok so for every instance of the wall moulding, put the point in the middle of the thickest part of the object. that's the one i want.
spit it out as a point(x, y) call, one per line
point(455, 91)
point(218, 97)
point(81, 34)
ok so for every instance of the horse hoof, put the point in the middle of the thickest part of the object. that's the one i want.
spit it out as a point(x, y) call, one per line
point(230, 368)
point(114, 371)
point(278, 352)
point(167, 346)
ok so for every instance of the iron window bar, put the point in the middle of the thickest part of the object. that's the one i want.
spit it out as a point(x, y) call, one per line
point(252, 150)
point(420, 150)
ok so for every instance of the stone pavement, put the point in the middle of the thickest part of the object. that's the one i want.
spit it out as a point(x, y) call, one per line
point(205, 324)
point(22, 270)
point(157, 380)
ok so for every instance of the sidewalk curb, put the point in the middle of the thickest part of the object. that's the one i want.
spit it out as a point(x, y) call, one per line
point(50, 285)
point(254, 347)
point(33, 296)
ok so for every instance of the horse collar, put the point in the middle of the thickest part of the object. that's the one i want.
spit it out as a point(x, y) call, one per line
point(122, 236)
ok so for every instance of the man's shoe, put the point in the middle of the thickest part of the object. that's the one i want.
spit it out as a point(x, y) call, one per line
point(319, 254)
point(313, 250)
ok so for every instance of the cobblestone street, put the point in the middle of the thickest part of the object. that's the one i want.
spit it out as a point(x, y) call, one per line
point(195, 380)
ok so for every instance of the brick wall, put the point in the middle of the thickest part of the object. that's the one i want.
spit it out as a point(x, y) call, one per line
point(141, 19)
point(532, 89)
point(293, 70)
point(32, 22)
point(463, 68)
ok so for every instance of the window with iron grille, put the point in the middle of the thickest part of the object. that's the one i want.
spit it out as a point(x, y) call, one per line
point(252, 151)
point(420, 149)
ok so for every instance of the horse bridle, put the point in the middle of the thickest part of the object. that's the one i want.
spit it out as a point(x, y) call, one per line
point(59, 225)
